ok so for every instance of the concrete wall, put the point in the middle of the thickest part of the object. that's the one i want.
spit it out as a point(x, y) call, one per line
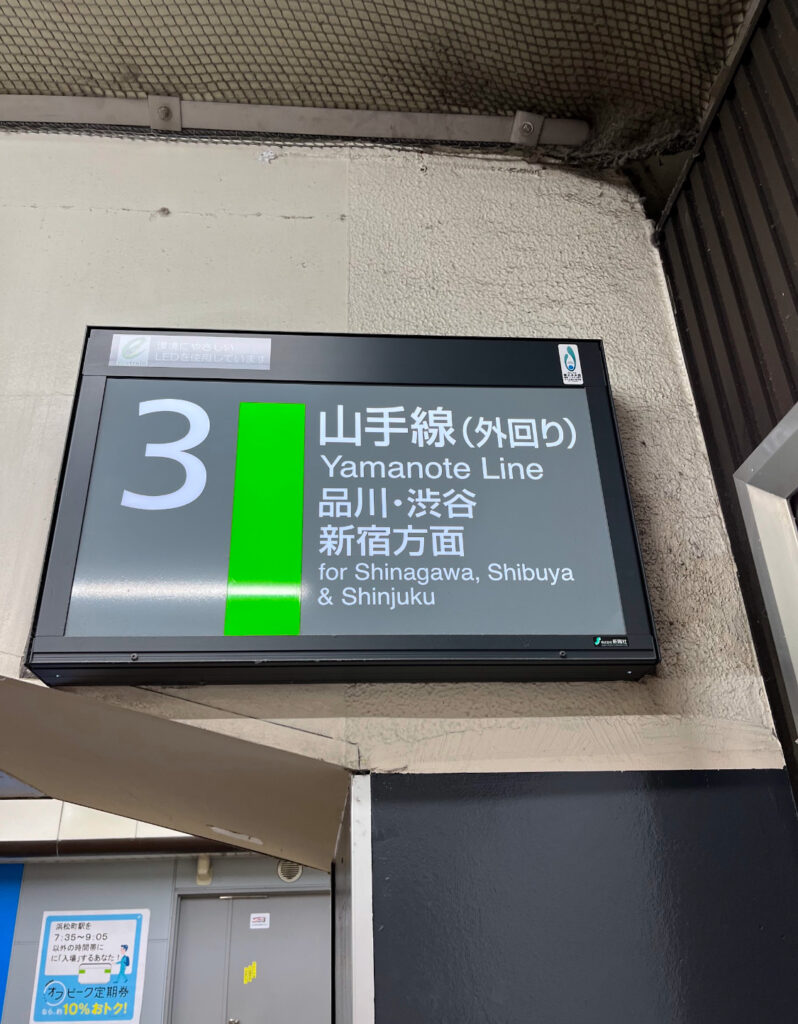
point(175, 234)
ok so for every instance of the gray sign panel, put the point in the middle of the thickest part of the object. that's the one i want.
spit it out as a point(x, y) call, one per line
point(254, 508)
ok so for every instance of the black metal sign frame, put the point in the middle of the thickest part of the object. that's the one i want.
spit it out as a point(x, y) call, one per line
point(59, 659)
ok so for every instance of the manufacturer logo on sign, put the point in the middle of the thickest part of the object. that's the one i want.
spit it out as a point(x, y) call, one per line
point(133, 352)
point(610, 641)
point(570, 365)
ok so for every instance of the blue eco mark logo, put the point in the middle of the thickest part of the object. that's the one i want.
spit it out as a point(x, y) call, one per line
point(569, 359)
point(597, 641)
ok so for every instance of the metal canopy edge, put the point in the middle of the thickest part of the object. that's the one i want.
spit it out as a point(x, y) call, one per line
point(170, 114)
point(197, 781)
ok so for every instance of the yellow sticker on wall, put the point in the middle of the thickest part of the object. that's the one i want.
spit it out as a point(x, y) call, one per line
point(250, 972)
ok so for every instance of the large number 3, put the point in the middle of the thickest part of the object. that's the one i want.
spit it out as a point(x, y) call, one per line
point(196, 474)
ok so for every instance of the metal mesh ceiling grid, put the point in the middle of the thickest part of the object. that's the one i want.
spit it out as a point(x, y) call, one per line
point(638, 70)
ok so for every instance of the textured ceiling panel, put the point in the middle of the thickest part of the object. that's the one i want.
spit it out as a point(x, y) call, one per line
point(639, 70)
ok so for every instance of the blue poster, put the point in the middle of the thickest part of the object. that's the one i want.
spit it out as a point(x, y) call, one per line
point(90, 966)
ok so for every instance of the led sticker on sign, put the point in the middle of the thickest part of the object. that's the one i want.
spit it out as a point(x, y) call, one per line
point(204, 351)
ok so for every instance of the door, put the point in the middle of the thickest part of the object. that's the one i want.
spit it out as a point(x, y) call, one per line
point(253, 960)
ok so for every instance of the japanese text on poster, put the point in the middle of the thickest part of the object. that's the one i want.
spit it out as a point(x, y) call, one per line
point(90, 966)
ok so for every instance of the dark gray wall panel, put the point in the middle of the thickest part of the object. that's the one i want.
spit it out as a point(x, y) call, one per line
point(730, 247)
point(585, 898)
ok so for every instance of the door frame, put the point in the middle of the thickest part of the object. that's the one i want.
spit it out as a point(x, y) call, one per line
point(268, 888)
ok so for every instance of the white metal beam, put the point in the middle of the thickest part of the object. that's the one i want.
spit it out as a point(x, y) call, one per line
point(169, 113)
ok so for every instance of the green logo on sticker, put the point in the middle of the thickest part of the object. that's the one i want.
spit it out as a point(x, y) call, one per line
point(133, 348)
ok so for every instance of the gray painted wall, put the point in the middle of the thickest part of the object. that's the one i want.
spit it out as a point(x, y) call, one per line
point(154, 882)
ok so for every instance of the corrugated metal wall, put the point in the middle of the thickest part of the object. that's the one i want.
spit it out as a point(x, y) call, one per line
point(730, 247)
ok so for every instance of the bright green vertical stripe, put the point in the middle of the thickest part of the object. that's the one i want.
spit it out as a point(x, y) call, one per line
point(265, 574)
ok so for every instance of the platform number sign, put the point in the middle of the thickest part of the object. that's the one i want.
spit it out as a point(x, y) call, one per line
point(241, 505)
